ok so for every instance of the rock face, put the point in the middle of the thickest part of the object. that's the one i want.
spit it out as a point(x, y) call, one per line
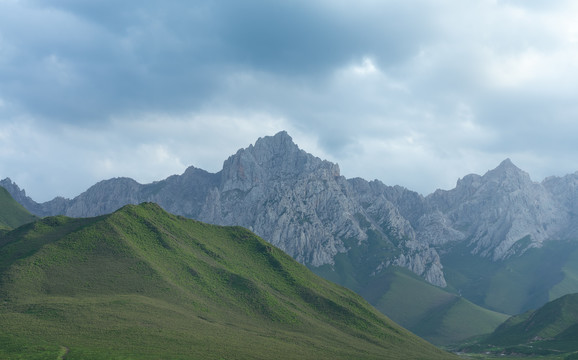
point(303, 205)
point(501, 214)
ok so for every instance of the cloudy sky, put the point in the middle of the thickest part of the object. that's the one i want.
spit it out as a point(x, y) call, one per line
point(413, 93)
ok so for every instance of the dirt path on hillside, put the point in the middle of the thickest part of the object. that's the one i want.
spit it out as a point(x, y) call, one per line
point(63, 352)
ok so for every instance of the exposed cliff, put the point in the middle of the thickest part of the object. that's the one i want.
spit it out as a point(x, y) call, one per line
point(499, 214)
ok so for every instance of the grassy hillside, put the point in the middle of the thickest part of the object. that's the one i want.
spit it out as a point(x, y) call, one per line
point(144, 284)
point(429, 311)
point(435, 314)
point(12, 214)
point(550, 330)
point(517, 284)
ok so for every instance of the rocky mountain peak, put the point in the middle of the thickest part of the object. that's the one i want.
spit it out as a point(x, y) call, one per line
point(278, 144)
point(20, 196)
point(504, 179)
point(278, 152)
point(498, 210)
point(507, 164)
point(12, 188)
point(508, 175)
point(272, 157)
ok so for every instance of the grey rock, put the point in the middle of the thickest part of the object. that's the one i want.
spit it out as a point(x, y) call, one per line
point(501, 214)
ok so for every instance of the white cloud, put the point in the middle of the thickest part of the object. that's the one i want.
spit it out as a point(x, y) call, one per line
point(367, 67)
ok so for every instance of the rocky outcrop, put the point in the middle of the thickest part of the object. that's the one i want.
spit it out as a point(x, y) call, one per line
point(564, 192)
point(55, 206)
point(499, 214)
point(292, 199)
point(303, 205)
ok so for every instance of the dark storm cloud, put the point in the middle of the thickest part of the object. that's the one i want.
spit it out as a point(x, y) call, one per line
point(87, 60)
point(305, 38)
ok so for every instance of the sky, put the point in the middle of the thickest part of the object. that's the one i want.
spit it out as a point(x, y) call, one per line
point(414, 93)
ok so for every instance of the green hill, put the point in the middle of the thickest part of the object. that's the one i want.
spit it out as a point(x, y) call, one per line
point(429, 311)
point(12, 214)
point(518, 284)
point(143, 284)
point(550, 330)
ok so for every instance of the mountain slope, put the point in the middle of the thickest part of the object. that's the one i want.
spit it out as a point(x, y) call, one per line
point(141, 283)
point(12, 214)
point(517, 284)
point(551, 329)
point(428, 311)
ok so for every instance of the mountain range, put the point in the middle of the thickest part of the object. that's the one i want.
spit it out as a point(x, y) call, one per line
point(478, 241)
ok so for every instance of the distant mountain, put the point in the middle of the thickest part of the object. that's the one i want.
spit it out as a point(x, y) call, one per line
point(352, 230)
point(552, 329)
point(501, 214)
point(12, 214)
point(141, 283)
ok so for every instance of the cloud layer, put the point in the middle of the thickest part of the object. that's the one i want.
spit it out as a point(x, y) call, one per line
point(415, 93)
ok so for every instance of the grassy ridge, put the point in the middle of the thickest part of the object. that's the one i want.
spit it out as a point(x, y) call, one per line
point(430, 312)
point(12, 214)
point(551, 330)
point(517, 284)
point(141, 283)
point(558, 317)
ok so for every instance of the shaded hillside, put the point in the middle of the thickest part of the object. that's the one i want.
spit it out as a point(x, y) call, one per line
point(141, 283)
point(437, 315)
point(12, 214)
point(552, 329)
point(429, 311)
point(517, 284)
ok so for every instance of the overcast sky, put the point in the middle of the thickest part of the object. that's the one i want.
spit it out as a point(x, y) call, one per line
point(413, 93)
